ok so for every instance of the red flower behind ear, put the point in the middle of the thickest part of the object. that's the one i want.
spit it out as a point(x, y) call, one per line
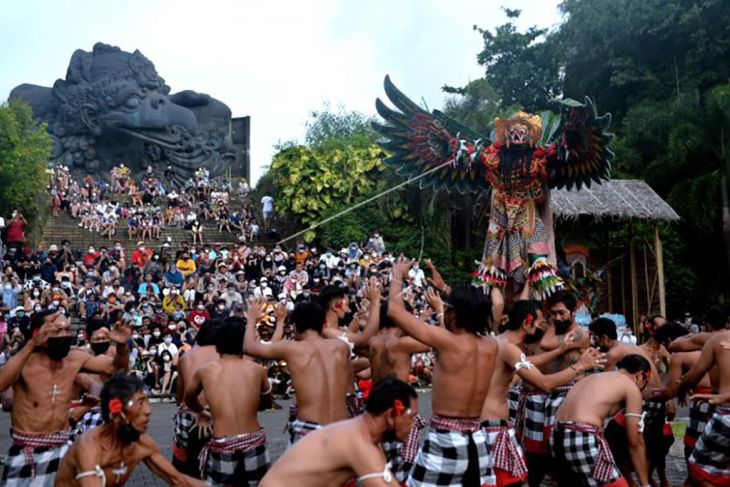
point(115, 406)
point(399, 407)
point(529, 319)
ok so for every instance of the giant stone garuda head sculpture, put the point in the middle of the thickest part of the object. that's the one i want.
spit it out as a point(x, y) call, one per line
point(114, 108)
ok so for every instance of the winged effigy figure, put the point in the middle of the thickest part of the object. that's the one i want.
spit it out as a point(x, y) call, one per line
point(522, 158)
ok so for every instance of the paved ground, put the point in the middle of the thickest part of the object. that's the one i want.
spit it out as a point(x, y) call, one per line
point(274, 422)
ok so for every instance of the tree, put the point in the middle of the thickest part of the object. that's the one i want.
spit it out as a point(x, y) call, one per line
point(24, 152)
point(522, 67)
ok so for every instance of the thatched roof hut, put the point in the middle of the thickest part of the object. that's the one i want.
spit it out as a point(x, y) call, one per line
point(616, 199)
point(624, 202)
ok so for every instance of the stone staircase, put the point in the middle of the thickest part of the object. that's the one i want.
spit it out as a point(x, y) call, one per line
point(63, 227)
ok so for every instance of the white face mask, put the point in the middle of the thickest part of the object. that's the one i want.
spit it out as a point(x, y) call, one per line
point(166, 358)
point(156, 334)
point(168, 340)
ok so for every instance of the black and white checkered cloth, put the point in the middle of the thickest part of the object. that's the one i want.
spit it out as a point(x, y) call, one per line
point(33, 460)
point(184, 420)
point(454, 453)
point(298, 429)
point(654, 441)
point(700, 413)
point(235, 460)
point(393, 457)
point(531, 422)
point(710, 459)
point(90, 420)
point(513, 401)
point(505, 451)
point(582, 448)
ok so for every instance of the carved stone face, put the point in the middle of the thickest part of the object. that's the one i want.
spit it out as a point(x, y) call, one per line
point(113, 107)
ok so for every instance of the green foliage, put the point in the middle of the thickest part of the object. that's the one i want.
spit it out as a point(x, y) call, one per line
point(520, 66)
point(24, 152)
point(328, 129)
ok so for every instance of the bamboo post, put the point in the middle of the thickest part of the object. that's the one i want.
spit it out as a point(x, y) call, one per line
point(660, 271)
point(632, 274)
point(623, 285)
point(609, 279)
point(649, 302)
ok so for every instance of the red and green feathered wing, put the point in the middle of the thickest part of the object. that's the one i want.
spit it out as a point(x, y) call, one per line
point(582, 153)
point(418, 141)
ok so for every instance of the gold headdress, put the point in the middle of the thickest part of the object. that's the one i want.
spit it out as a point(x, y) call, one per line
point(532, 122)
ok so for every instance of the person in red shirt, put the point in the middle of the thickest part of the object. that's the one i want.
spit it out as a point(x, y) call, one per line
point(90, 259)
point(16, 230)
point(141, 256)
point(198, 315)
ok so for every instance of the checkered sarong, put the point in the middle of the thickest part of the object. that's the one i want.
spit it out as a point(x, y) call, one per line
point(656, 450)
point(553, 401)
point(298, 429)
point(90, 420)
point(399, 455)
point(710, 459)
point(504, 449)
point(513, 401)
point(700, 413)
point(454, 453)
point(184, 420)
point(530, 422)
point(584, 449)
point(235, 460)
point(33, 460)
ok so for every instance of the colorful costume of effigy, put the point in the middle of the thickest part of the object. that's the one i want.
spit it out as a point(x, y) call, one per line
point(529, 154)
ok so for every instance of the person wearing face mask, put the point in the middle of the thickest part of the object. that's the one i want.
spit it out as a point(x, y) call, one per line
point(141, 256)
point(110, 453)
point(198, 315)
point(525, 318)
point(604, 335)
point(219, 311)
point(42, 376)
point(232, 297)
point(172, 299)
point(578, 448)
point(19, 319)
point(263, 289)
point(167, 344)
point(538, 405)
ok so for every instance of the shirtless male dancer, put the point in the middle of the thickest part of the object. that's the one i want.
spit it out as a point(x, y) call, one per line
point(525, 318)
point(455, 450)
point(604, 335)
point(346, 449)
point(42, 375)
point(235, 388)
point(709, 463)
point(577, 444)
point(191, 431)
point(537, 412)
point(108, 454)
point(320, 368)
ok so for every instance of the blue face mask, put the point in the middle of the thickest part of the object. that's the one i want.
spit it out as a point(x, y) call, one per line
point(20, 314)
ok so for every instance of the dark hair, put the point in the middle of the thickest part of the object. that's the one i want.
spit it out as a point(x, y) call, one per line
point(206, 332)
point(119, 386)
point(330, 293)
point(519, 312)
point(384, 393)
point(716, 317)
point(472, 308)
point(229, 336)
point(308, 315)
point(653, 318)
point(634, 363)
point(386, 322)
point(565, 297)
point(603, 327)
point(94, 325)
point(39, 318)
point(669, 332)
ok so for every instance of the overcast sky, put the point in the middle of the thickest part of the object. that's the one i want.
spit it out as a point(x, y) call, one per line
point(275, 61)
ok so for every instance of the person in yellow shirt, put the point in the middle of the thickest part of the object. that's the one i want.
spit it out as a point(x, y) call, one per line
point(185, 265)
point(172, 298)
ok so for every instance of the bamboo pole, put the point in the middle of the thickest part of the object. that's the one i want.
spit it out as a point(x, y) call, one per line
point(660, 271)
point(634, 281)
point(649, 302)
point(609, 279)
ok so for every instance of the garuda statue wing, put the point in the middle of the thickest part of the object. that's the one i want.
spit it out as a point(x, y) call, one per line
point(582, 152)
point(419, 141)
